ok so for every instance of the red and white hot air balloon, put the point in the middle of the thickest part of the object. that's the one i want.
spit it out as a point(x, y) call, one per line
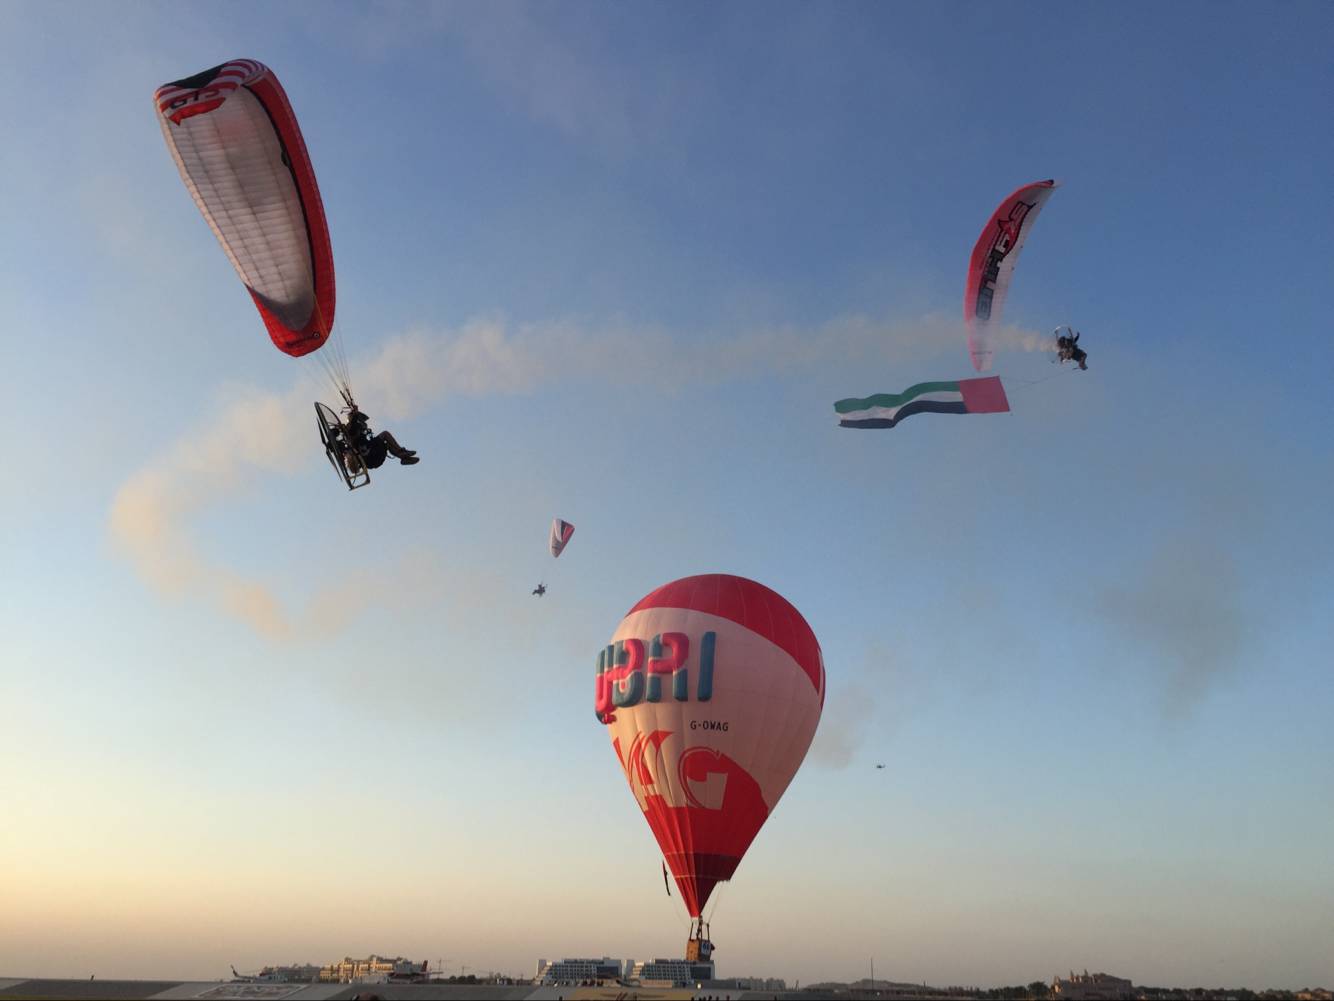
point(711, 689)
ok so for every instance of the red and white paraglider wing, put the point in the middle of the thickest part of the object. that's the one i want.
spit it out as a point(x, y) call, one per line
point(992, 263)
point(712, 689)
point(240, 152)
point(561, 533)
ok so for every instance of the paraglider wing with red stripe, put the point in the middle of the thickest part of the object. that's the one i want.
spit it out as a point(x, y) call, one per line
point(561, 533)
point(236, 142)
point(991, 265)
point(711, 688)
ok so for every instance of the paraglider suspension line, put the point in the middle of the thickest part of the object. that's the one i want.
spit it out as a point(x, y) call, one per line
point(332, 360)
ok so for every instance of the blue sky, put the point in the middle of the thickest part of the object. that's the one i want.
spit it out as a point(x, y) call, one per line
point(615, 263)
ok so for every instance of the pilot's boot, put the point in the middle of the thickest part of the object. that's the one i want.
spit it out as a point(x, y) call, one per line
point(404, 455)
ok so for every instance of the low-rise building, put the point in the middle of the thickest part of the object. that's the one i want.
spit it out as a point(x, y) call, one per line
point(578, 971)
point(749, 984)
point(372, 970)
point(1092, 987)
point(673, 972)
point(296, 973)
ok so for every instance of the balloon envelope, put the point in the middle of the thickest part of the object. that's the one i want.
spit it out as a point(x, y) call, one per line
point(711, 689)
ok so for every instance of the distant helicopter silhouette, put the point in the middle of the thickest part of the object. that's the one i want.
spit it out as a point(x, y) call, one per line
point(540, 590)
point(880, 766)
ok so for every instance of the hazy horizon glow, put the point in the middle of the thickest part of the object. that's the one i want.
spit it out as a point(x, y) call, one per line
point(615, 263)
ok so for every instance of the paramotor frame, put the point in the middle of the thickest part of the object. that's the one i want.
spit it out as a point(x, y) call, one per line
point(343, 456)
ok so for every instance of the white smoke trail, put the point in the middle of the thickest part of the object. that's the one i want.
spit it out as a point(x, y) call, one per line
point(1007, 338)
point(266, 434)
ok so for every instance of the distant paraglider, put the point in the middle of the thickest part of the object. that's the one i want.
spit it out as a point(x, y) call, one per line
point(990, 271)
point(992, 264)
point(561, 533)
point(711, 689)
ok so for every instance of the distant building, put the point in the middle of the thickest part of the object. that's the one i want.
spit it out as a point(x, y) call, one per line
point(576, 971)
point(893, 988)
point(372, 970)
point(676, 972)
point(1092, 987)
point(297, 973)
point(749, 984)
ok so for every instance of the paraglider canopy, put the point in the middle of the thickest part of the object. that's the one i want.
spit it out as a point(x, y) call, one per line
point(240, 152)
point(992, 264)
point(561, 531)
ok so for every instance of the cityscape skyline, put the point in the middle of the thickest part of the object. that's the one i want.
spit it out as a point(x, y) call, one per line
point(605, 971)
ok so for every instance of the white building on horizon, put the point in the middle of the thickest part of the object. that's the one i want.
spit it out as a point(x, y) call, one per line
point(577, 971)
point(583, 970)
point(374, 969)
point(677, 972)
point(1092, 987)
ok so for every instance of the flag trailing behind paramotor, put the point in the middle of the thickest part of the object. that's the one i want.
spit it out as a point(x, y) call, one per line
point(561, 532)
point(886, 410)
point(236, 142)
point(711, 689)
point(992, 265)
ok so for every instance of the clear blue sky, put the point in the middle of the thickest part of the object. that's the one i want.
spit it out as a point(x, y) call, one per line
point(615, 263)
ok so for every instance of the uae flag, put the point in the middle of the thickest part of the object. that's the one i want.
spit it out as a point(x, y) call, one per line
point(884, 410)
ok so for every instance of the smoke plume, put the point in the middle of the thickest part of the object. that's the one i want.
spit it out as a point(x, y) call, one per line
point(262, 435)
point(1186, 615)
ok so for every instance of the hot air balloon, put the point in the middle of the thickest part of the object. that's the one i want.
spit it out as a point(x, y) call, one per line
point(711, 689)
point(992, 265)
